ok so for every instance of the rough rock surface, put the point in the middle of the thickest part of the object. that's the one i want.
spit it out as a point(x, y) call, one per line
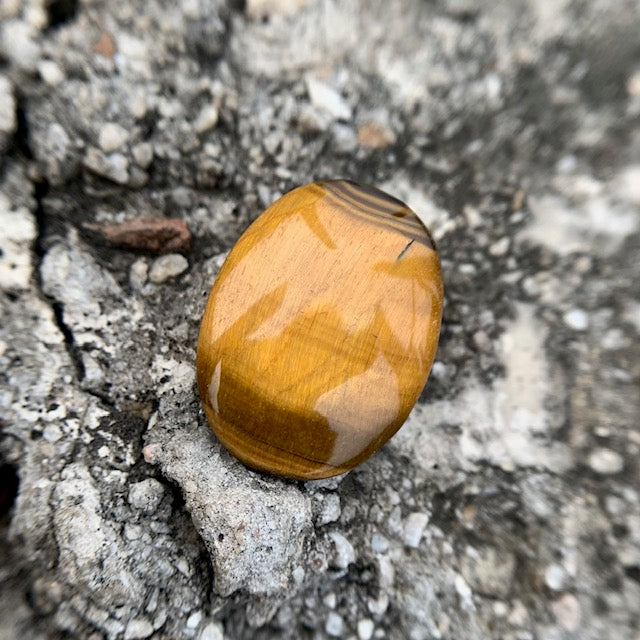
point(508, 506)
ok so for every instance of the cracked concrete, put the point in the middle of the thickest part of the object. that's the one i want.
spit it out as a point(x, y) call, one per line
point(508, 505)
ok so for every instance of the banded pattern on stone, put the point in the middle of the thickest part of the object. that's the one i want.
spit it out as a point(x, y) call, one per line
point(320, 330)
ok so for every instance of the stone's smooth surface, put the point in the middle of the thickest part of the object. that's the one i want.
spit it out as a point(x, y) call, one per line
point(320, 330)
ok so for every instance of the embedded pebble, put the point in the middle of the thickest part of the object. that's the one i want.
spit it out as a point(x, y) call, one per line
point(555, 577)
point(567, 611)
point(206, 119)
point(365, 629)
point(112, 136)
point(146, 495)
point(500, 247)
point(166, 267)
point(50, 72)
point(138, 629)
point(334, 625)
point(344, 552)
point(330, 511)
point(576, 319)
point(143, 154)
point(114, 166)
point(606, 461)
point(414, 528)
point(17, 43)
point(326, 98)
point(194, 620)
point(8, 120)
point(379, 544)
point(212, 631)
point(138, 274)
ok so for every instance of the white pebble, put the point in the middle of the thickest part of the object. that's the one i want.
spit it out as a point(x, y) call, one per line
point(50, 72)
point(464, 593)
point(8, 120)
point(333, 626)
point(555, 577)
point(146, 495)
point(330, 509)
point(365, 629)
point(138, 273)
point(213, 631)
point(166, 267)
point(345, 555)
point(206, 119)
point(414, 528)
point(379, 544)
point(112, 136)
point(18, 43)
point(605, 461)
point(326, 98)
point(143, 154)
point(194, 620)
point(330, 600)
point(500, 247)
point(576, 319)
point(137, 629)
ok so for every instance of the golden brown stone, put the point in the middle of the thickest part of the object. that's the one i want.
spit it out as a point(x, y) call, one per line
point(320, 330)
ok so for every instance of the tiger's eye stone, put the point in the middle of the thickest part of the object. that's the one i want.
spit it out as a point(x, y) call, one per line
point(320, 330)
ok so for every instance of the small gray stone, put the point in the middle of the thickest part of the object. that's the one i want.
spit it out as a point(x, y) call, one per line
point(576, 319)
point(606, 461)
point(334, 625)
point(146, 495)
point(206, 119)
point(166, 267)
point(114, 166)
point(413, 528)
point(555, 577)
point(489, 570)
point(212, 631)
point(17, 42)
point(365, 629)
point(112, 136)
point(330, 511)
point(344, 552)
point(379, 544)
point(143, 154)
point(50, 72)
point(8, 120)
point(138, 629)
point(326, 98)
point(500, 247)
point(57, 154)
point(344, 138)
point(194, 620)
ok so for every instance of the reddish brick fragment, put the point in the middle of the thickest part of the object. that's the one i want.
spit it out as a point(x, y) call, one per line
point(156, 235)
point(105, 46)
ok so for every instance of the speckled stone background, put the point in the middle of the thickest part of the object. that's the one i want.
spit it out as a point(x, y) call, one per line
point(508, 506)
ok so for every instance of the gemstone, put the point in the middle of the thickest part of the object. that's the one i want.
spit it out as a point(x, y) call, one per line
point(320, 330)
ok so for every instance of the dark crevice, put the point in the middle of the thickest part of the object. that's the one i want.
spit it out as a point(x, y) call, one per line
point(9, 484)
point(61, 11)
point(633, 572)
point(72, 349)
point(105, 398)
point(21, 136)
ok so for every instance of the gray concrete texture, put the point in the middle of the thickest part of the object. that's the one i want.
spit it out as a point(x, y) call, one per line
point(508, 506)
